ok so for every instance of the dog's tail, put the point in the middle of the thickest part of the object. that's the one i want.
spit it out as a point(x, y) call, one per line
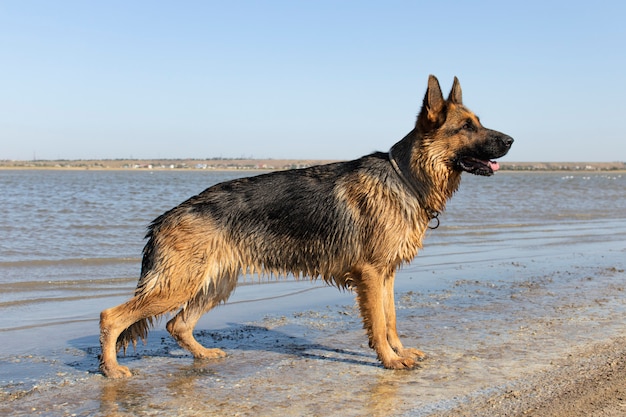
point(138, 330)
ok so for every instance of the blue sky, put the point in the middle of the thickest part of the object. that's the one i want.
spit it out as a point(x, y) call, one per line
point(304, 79)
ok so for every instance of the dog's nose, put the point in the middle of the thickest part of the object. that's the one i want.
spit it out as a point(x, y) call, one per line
point(507, 140)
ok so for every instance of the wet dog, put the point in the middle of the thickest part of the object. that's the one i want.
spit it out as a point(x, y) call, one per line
point(351, 224)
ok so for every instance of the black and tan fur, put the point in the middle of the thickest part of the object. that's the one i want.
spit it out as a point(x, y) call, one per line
point(350, 223)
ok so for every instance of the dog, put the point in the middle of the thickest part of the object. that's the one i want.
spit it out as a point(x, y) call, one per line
point(351, 224)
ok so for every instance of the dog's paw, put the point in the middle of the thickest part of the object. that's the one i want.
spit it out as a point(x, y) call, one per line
point(116, 372)
point(412, 353)
point(400, 363)
point(206, 353)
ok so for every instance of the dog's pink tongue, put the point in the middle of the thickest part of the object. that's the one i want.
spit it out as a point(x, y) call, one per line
point(494, 166)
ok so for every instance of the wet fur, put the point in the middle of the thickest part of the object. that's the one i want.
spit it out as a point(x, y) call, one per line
point(351, 224)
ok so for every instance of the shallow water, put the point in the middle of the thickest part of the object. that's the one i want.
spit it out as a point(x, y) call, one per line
point(72, 234)
point(520, 260)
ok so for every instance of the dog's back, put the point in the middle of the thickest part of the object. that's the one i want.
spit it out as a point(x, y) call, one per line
point(317, 221)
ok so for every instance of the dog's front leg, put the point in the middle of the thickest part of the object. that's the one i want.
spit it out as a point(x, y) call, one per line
point(390, 315)
point(370, 286)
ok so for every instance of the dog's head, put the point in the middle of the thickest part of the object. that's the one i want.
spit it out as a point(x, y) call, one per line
point(451, 132)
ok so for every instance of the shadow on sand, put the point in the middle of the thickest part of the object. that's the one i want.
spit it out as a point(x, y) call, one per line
point(235, 339)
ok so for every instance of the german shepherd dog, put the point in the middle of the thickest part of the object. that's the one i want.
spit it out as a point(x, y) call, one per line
point(351, 223)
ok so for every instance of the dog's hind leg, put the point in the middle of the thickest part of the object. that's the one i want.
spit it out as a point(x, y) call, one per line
point(390, 315)
point(181, 328)
point(370, 286)
point(182, 325)
point(133, 314)
point(112, 322)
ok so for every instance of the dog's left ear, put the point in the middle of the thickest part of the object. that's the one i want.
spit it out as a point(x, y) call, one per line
point(456, 95)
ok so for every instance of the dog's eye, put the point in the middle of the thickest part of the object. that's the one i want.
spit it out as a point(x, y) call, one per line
point(468, 125)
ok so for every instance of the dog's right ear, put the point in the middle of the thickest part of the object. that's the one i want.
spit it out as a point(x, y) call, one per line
point(456, 94)
point(432, 114)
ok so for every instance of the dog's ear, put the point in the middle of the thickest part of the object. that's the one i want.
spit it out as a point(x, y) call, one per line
point(432, 114)
point(433, 101)
point(456, 95)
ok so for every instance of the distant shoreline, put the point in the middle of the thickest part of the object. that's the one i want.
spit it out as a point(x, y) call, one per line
point(266, 165)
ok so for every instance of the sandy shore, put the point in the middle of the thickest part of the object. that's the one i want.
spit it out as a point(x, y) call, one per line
point(511, 330)
point(589, 381)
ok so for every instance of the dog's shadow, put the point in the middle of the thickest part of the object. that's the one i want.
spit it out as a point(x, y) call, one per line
point(234, 339)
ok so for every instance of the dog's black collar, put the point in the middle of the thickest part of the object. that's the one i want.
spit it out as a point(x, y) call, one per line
point(432, 214)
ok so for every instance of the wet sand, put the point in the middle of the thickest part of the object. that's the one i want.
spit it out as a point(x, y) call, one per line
point(510, 329)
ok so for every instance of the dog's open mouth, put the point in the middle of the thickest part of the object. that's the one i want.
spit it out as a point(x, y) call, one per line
point(478, 166)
